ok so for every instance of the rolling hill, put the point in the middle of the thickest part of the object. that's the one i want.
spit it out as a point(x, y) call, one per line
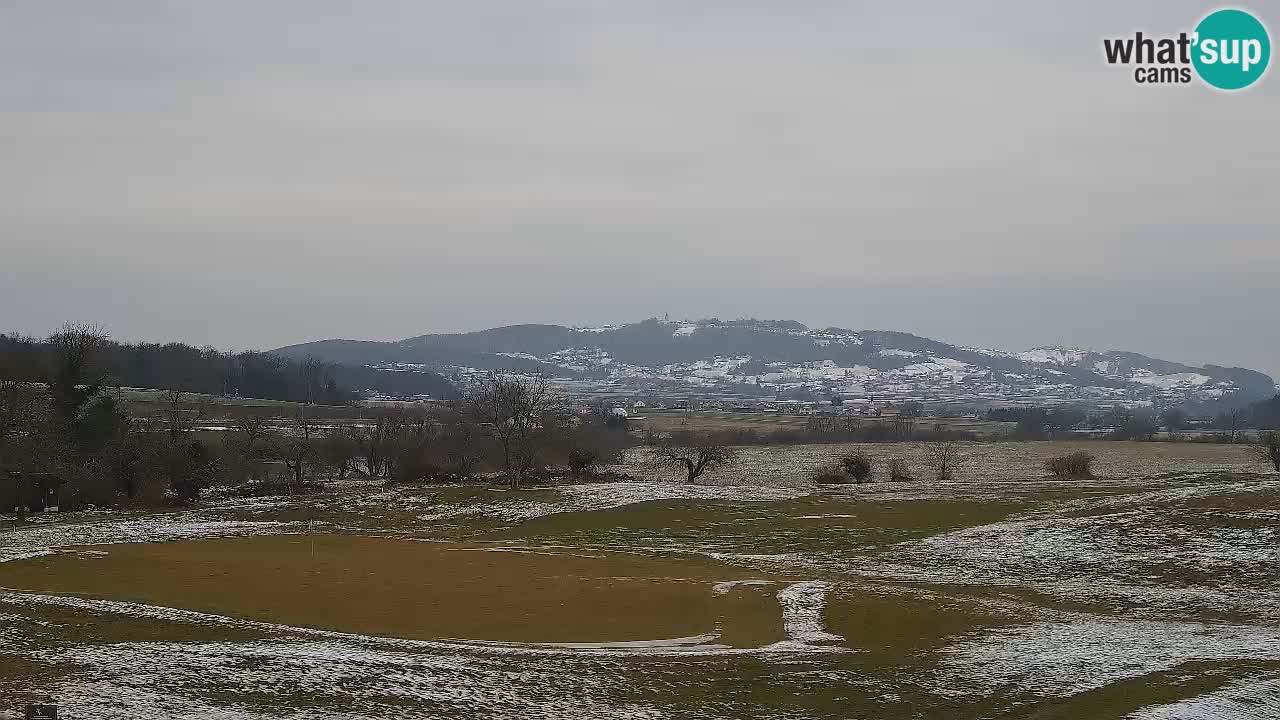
point(786, 359)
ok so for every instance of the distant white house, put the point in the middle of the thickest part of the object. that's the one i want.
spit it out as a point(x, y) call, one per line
point(639, 405)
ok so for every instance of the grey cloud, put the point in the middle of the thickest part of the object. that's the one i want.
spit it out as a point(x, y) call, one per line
point(260, 173)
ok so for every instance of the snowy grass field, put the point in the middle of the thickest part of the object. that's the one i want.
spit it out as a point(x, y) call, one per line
point(1152, 591)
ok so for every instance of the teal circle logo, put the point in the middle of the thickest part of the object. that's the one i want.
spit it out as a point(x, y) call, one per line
point(1232, 49)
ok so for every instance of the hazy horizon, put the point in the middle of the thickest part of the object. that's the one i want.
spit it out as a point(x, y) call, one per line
point(252, 177)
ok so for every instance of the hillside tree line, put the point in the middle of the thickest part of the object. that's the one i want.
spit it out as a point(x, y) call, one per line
point(69, 438)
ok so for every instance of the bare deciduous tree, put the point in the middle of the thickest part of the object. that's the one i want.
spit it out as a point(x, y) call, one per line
point(898, 470)
point(178, 418)
point(312, 374)
point(252, 430)
point(904, 428)
point(75, 379)
point(1268, 448)
point(463, 449)
point(298, 452)
point(410, 458)
point(1233, 422)
point(516, 408)
point(374, 439)
point(246, 444)
point(944, 457)
point(1175, 421)
point(338, 450)
point(183, 458)
point(696, 456)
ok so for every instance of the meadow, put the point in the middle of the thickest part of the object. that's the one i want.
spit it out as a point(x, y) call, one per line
point(1150, 591)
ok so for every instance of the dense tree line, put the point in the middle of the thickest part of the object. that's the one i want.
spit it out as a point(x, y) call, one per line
point(502, 425)
point(175, 366)
point(1266, 414)
point(73, 441)
point(1125, 423)
point(207, 370)
point(67, 437)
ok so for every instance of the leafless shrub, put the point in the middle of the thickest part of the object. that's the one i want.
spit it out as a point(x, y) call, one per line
point(1077, 465)
point(898, 470)
point(1267, 448)
point(337, 450)
point(582, 460)
point(858, 466)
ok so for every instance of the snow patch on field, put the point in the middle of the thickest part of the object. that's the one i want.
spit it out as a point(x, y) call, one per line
point(364, 681)
point(44, 539)
point(1253, 699)
point(802, 606)
point(1153, 568)
point(604, 496)
point(1058, 659)
point(728, 586)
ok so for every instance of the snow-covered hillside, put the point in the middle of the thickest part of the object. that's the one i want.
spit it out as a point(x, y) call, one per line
point(785, 359)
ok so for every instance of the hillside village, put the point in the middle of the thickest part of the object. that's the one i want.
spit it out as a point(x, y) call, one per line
point(783, 365)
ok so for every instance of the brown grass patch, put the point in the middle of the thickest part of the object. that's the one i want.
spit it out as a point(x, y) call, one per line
point(404, 588)
point(902, 623)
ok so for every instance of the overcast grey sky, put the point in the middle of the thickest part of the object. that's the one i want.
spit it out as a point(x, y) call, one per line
point(252, 174)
